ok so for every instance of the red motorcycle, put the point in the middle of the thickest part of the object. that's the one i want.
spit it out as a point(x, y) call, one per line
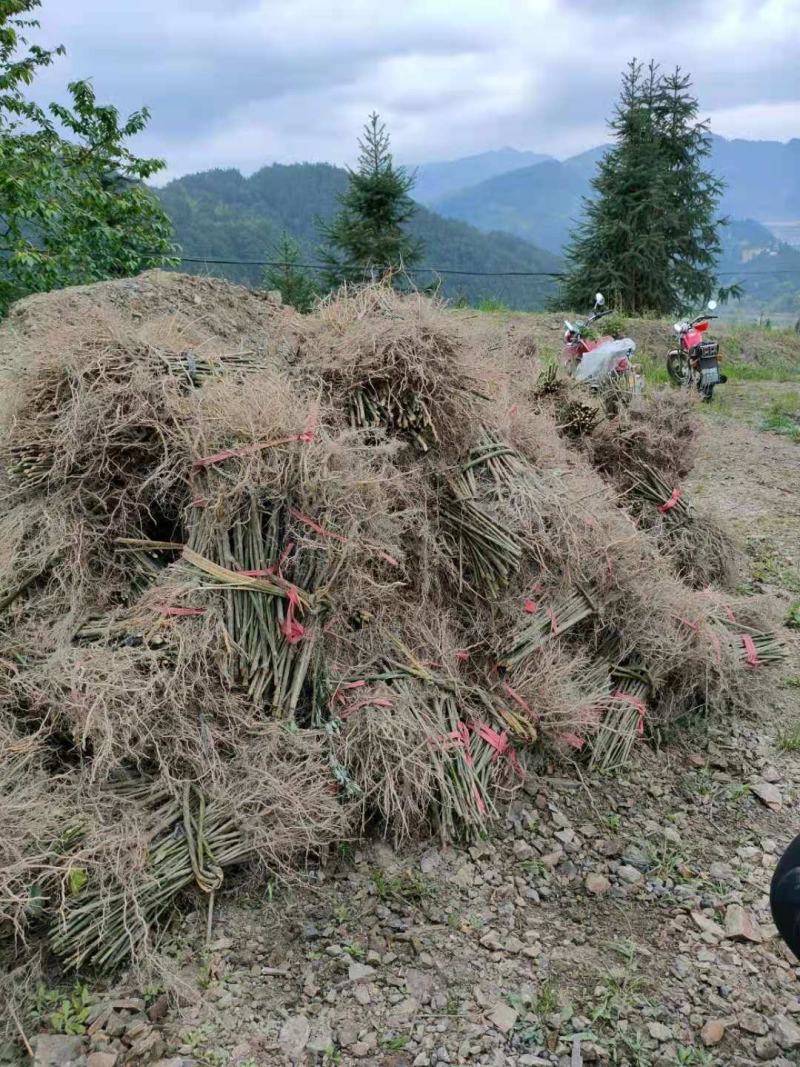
point(604, 362)
point(695, 363)
point(575, 344)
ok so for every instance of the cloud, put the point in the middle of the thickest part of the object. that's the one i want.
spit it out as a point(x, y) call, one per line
point(246, 82)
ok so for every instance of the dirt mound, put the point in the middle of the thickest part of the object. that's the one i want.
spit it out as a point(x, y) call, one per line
point(267, 581)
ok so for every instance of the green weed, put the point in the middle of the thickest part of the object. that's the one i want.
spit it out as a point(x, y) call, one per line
point(341, 914)
point(739, 790)
point(546, 1002)
point(409, 887)
point(783, 417)
point(394, 1044)
point(63, 1014)
point(690, 1056)
point(789, 738)
point(490, 304)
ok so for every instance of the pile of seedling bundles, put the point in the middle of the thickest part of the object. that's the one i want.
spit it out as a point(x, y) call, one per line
point(269, 582)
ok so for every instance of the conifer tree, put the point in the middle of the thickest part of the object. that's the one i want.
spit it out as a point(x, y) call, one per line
point(368, 235)
point(286, 275)
point(649, 239)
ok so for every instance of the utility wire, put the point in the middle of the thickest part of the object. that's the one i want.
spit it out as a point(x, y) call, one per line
point(212, 262)
point(440, 270)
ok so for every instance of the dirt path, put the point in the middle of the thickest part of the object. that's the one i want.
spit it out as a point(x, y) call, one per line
point(624, 922)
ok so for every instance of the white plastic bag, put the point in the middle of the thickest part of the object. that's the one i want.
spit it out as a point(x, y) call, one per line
point(605, 359)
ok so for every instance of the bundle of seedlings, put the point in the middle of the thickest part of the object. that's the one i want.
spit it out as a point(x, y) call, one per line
point(550, 382)
point(660, 431)
point(577, 416)
point(624, 719)
point(702, 550)
point(488, 555)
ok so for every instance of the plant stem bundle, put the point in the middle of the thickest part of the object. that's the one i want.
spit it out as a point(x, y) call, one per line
point(379, 404)
point(191, 841)
point(491, 553)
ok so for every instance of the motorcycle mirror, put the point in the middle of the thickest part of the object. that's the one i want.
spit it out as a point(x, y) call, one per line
point(599, 300)
point(712, 305)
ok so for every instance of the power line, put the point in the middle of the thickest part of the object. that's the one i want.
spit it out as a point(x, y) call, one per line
point(453, 271)
point(406, 270)
point(444, 270)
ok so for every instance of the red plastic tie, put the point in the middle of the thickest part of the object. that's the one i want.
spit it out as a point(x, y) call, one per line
point(306, 437)
point(339, 696)
point(518, 700)
point(200, 502)
point(636, 703)
point(501, 745)
point(753, 661)
point(315, 526)
point(462, 655)
point(729, 613)
point(530, 607)
point(460, 739)
point(668, 505)
point(691, 625)
point(573, 740)
point(368, 702)
point(715, 644)
point(291, 629)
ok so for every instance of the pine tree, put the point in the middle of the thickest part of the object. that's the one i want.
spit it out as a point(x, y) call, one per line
point(649, 239)
point(368, 235)
point(296, 288)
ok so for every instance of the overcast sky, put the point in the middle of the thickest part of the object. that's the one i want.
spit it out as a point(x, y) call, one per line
point(243, 83)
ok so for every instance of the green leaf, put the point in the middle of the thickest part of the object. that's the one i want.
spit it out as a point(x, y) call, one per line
point(76, 880)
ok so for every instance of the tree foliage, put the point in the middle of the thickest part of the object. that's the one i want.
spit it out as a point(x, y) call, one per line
point(73, 206)
point(370, 231)
point(650, 237)
point(286, 275)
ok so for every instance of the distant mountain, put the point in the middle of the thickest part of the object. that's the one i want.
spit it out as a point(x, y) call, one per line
point(766, 268)
point(539, 203)
point(763, 178)
point(219, 214)
point(435, 180)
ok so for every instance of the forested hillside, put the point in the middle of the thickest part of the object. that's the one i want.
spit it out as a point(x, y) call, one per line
point(219, 214)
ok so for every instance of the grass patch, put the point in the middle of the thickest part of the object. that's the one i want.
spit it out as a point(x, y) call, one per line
point(783, 417)
point(768, 569)
point(789, 739)
point(546, 1002)
point(491, 305)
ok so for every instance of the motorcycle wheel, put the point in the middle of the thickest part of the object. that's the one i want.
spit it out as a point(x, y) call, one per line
point(707, 393)
point(679, 370)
